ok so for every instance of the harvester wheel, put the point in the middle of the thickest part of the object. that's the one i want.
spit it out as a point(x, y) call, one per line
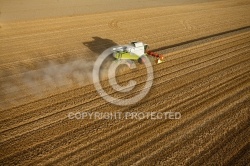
point(142, 60)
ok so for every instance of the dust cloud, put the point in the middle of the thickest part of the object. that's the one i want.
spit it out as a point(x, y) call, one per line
point(48, 76)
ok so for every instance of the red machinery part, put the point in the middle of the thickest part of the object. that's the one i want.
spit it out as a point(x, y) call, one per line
point(155, 55)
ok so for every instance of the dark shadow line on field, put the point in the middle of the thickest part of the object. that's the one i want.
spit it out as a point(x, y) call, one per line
point(98, 44)
point(198, 39)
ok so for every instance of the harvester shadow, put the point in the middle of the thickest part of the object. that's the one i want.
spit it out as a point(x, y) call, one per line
point(98, 45)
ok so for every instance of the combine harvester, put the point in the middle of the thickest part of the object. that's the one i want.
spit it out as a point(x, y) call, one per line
point(136, 51)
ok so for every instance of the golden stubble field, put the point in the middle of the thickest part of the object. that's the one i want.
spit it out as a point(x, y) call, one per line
point(46, 67)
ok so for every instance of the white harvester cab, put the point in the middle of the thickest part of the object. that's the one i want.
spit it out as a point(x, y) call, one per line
point(138, 48)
